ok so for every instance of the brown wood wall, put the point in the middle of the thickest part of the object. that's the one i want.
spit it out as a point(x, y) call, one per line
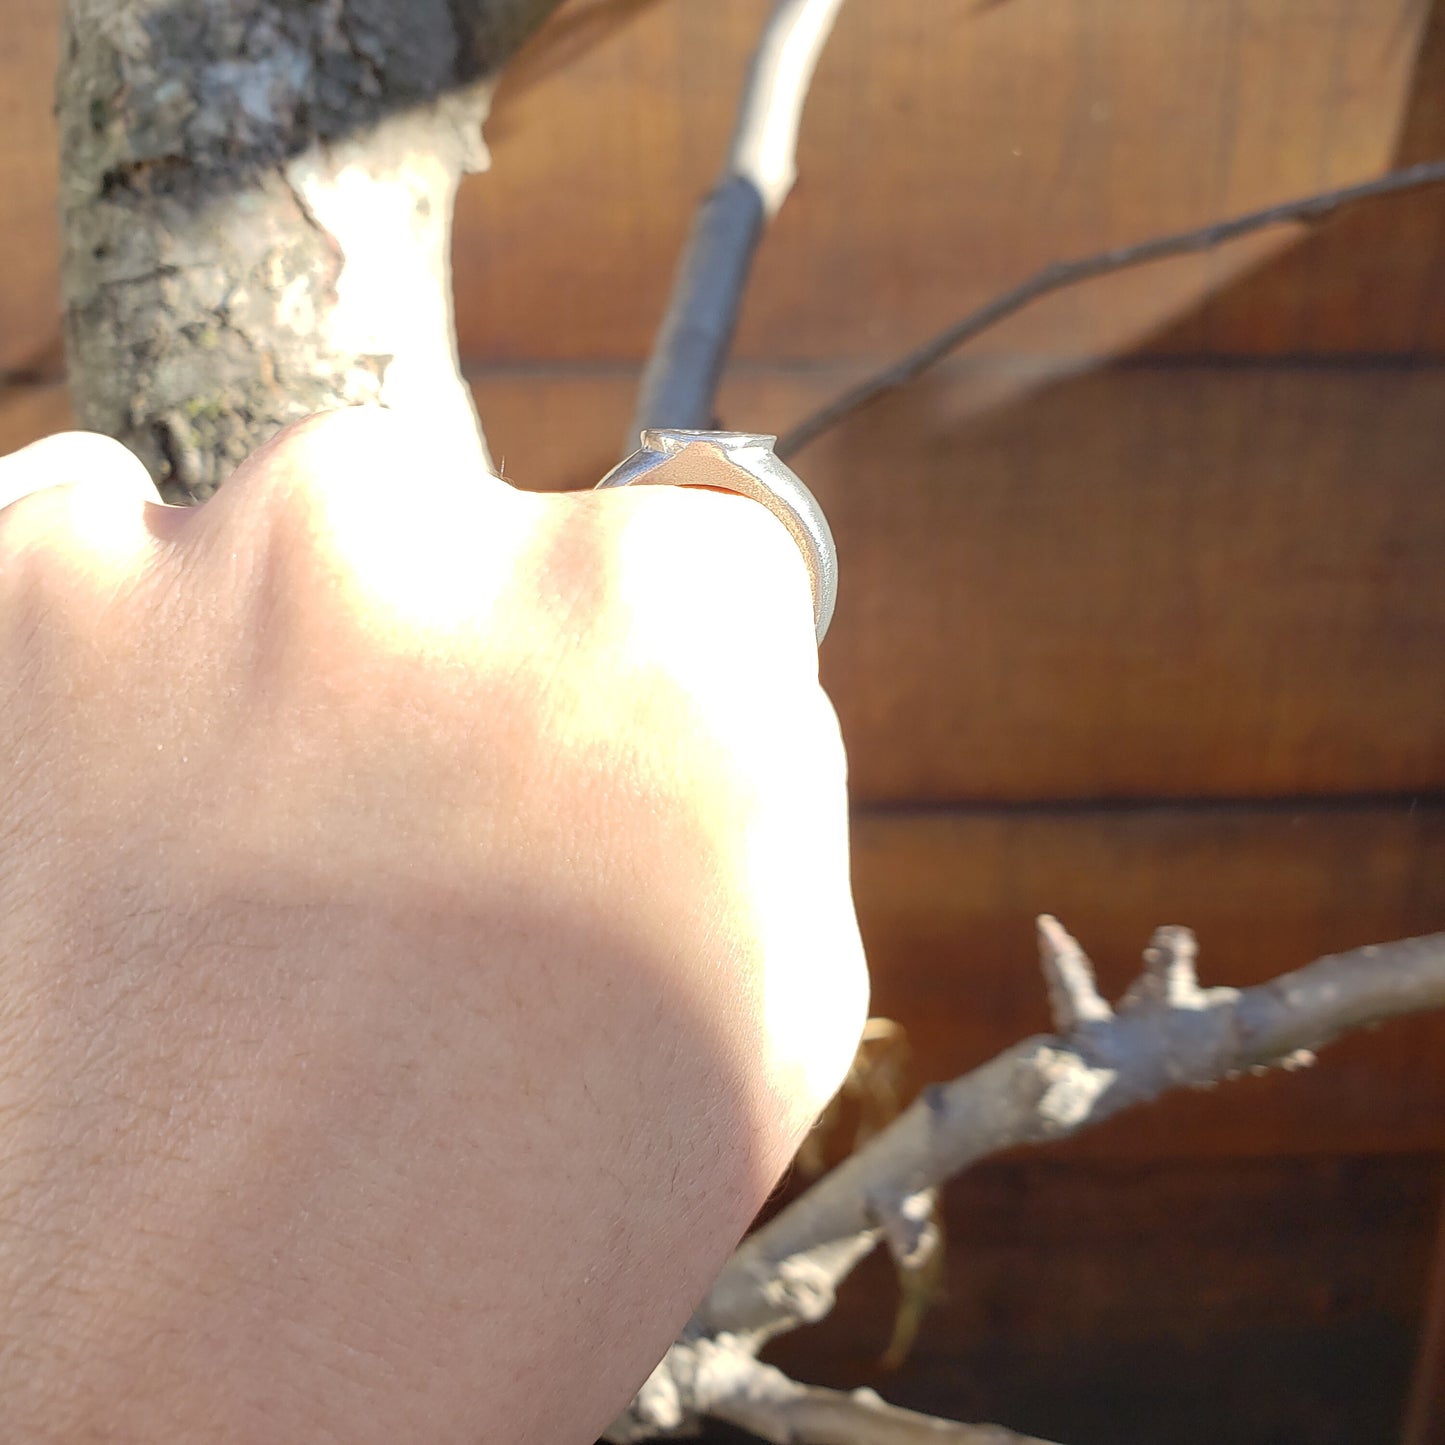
point(1143, 609)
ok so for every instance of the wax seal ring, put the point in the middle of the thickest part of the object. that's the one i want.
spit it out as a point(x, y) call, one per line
point(752, 469)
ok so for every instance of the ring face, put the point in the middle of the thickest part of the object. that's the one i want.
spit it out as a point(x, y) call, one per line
point(752, 469)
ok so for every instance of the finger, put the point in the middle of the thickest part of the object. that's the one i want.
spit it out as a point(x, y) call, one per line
point(374, 500)
point(718, 575)
point(744, 463)
point(74, 459)
point(356, 450)
point(79, 495)
point(359, 469)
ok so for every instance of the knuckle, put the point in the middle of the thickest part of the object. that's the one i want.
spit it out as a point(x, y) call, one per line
point(721, 571)
point(319, 469)
point(28, 527)
point(344, 562)
point(646, 616)
point(72, 504)
point(343, 487)
point(93, 455)
point(72, 457)
point(60, 533)
point(317, 507)
point(73, 598)
point(572, 569)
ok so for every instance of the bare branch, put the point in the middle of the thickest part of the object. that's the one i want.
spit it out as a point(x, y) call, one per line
point(721, 1379)
point(1074, 996)
point(1062, 274)
point(760, 1399)
point(910, 1229)
point(258, 231)
point(1050, 1087)
point(1170, 973)
point(915, 1240)
point(680, 383)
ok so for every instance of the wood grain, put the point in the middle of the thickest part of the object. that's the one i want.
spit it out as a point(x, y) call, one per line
point(950, 149)
point(947, 895)
point(1424, 1415)
point(1132, 583)
point(1189, 576)
point(947, 899)
point(1141, 582)
point(1251, 1301)
point(28, 413)
point(29, 227)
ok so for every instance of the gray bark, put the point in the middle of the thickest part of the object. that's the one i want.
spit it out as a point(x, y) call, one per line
point(679, 386)
point(1166, 1033)
point(257, 200)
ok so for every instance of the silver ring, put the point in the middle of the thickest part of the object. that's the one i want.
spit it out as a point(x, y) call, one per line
point(687, 459)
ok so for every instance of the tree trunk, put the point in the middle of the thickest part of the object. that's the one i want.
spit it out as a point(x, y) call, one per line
point(257, 200)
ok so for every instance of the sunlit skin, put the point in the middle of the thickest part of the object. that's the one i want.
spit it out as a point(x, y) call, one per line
point(425, 936)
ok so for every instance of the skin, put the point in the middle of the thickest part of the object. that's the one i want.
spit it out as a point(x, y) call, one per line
point(425, 936)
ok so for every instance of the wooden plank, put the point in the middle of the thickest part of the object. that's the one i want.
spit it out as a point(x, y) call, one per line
point(948, 152)
point(1248, 1301)
point(1425, 1410)
point(1366, 273)
point(947, 901)
point(1132, 583)
point(1142, 582)
point(943, 159)
point(29, 229)
point(28, 413)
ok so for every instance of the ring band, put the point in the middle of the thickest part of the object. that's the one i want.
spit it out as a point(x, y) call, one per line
point(751, 469)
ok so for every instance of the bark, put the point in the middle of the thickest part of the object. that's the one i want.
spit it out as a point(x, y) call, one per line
point(1060, 275)
point(257, 199)
point(722, 1381)
point(1167, 1032)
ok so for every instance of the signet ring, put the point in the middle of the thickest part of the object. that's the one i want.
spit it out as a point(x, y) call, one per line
point(752, 469)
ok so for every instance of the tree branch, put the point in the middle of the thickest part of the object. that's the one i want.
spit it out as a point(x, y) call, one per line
point(765, 1402)
point(680, 383)
point(257, 201)
point(1074, 996)
point(1166, 1033)
point(720, 1379)
point(1062, 274)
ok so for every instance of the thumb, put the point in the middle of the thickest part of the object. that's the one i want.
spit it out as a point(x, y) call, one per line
point(74, 459)
point(84, 493)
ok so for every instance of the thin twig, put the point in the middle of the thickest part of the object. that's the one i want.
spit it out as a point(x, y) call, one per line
point(679, 387)
point(1050, 1087)
point(1074, 996)
point(1061, 274)
point(765, 1402)
point(721, 1380)
point(562, 43)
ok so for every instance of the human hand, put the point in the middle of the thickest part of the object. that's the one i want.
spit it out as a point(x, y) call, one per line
point(425, 936)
